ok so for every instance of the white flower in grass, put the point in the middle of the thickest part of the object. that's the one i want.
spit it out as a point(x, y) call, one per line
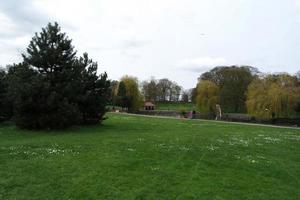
point(184, 148)
point(212, 148)
point(154, 168)
point(130, 149)
point(220, 140)
point(261, 135)
point(261, 157)
point(271, 140)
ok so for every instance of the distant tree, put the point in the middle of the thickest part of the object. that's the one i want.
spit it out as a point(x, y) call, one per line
point(298, 76)
point(113, 89)
point(233, 82)
point(273, 96)
point(175, 92)
point(161, 90)
point(194, 95)
point(122, 98)
point(53, 88)
point(164, 87)
point(207, 96)
point(150, 90)
point(185, 96)
point(133, 95)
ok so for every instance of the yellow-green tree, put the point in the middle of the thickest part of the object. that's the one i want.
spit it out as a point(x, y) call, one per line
point(135, 100)
point(273, 96)
point(207, 96)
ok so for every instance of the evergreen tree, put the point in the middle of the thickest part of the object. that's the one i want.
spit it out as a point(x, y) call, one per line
point(60, 89)
point(5, 103)
point(94, 91)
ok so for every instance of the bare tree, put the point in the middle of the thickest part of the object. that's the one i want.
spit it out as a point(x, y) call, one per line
point(164, 86)
point(150, 90)
point(175, 92)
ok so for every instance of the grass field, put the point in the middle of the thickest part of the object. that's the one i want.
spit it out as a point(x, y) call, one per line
point(175, 106)
point(132, 157)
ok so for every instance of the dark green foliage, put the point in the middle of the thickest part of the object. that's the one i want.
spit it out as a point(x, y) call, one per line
point(92, 93)
point(5, 103)
point(233, 82)
point(53, 88)
point(297, 109)
point(123, 99)
point(113, 89)
point(194, 95)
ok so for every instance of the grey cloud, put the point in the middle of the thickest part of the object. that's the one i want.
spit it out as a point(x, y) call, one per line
point(129, 46)
point(24, 15)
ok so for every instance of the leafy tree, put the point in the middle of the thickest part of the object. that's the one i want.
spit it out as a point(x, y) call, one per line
point(194, 95)
point(233, 82)
point(133, 94)
point(208, 96)
point(273, 96)
point(53, 88)
point(123, 99)
point(113, 92)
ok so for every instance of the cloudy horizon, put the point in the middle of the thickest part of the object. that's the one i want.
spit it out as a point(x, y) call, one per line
point(175, 39)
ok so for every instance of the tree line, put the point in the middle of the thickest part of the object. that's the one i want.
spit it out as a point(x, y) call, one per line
point(54, 88)
point(245, 90)
point(130, 94)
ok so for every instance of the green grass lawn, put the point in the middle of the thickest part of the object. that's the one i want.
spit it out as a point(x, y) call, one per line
point(175, 106)
point(132, 157)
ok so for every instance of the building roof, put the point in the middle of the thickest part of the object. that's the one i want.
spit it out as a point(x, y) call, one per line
point(148, 103)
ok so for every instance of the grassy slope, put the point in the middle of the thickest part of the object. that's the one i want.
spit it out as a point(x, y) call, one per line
point(175, 106)
point(147, 158)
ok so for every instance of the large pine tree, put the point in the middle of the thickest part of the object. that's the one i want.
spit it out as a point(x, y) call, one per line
point(63, 89)
point(5, 104)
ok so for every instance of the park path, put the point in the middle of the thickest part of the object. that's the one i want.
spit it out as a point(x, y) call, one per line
point(204, 120)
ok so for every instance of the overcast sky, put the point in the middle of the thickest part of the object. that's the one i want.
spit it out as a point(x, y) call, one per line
point(177, 39)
